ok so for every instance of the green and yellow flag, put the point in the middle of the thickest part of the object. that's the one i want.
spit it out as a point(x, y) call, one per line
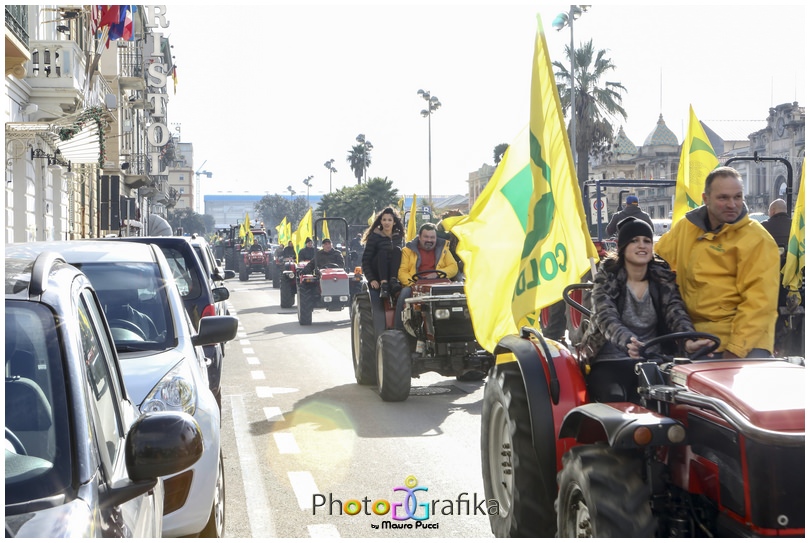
point(281, 230)
point(325, 228)
point(697, 160)
point(412, 221)
point(557, 245)
point(303, 232)
point(401, 205)
point(248, 233)
point(794, 261)
point(519, 249)
point(372, 217)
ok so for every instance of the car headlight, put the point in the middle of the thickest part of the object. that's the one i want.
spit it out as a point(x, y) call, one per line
point(175, 392)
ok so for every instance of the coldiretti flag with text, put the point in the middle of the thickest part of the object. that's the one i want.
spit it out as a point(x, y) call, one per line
point(303, 232)
point(282, 231)
point(794, 261)
point(412, 221)
point(325, 228)
point(557, 244)
point(519, 249)
point(697, 160)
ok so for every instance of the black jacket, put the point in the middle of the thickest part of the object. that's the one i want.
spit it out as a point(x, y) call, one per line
point(307, 253)
point(630, 210)
point(323, 259)
point(778, 227)
point(379, 247)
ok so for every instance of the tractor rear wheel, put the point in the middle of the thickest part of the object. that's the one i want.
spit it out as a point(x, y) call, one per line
point(512, 475)
point(286, 294)
point(268, 271)
point(306, 303)
point(276, 275)
point(393, 366)
point(603, 495)
point(363, 341)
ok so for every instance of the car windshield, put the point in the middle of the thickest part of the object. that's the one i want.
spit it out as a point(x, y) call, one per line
point(38, 442)
point(135, 303)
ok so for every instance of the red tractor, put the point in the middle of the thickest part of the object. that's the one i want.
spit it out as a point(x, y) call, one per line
point(713, 448)
point(245, 259)
point(329, 286)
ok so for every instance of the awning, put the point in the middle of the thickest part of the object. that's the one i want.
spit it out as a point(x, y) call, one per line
point(77, 136)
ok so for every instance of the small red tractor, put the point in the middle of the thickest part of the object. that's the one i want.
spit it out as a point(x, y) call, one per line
point(712, 449)
point(247, 259)
point(329, 286)
point(436, 335)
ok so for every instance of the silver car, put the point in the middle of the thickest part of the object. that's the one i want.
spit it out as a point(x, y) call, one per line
point(81, 461)
point(162, 361)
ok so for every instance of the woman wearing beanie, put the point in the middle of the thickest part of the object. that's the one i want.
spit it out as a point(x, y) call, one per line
point(634, 299)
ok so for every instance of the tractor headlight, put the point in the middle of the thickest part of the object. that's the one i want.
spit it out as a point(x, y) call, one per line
point(442, 314)
point(327, 299)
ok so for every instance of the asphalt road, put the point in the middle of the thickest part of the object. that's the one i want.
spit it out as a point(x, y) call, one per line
point(304, 443)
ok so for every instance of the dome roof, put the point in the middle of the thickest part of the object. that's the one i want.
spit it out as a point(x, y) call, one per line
point(661, 135)
point(623, 145)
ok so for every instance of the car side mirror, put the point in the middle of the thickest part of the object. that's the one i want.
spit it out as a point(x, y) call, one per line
point(215, 330)
point(221, 294)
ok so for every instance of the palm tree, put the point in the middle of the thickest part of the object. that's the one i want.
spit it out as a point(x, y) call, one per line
point(356, 158)
point(594, 104)
point(498, 151)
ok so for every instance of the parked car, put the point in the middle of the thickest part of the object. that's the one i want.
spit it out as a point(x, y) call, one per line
point(199, 296)
point(81, 461)
point(162, 362)
point(214, 271)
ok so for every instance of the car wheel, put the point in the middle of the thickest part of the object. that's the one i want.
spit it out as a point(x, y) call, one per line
point(393, 366)
point(592, 478)
point(216, 522)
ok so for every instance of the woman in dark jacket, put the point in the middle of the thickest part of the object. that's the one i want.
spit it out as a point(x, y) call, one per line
point(382, 255)
point(634, 299)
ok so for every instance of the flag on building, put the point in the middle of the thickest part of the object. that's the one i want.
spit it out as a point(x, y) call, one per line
point(412, 221)
point(697, 160)
point(792, 271)
point(174, 78)
point(519, 249)
point(303, 232)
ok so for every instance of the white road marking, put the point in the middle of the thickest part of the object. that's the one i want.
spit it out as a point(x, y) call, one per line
point(268, 392)
point(248, 350)
point(259, 512)
point(273, 414)
point(323, 531)
point(252, 360)
point(257, 375)
point(304, 487)
point(244, 342)
point(286, 443)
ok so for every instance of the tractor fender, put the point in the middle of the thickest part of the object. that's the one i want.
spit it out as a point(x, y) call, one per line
point(617, 423)
point(541, 416)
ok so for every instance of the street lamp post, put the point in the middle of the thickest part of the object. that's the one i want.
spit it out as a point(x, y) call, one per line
point(561, 21)
point(308, 183)
point(292, 192)
point(332, 170)
point(367, 146)
point(433, 105)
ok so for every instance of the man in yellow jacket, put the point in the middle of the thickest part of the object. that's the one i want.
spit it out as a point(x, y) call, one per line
point(727, 268)
point(424, 252)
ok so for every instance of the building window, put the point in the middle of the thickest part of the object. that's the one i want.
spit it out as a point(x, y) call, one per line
point(662, 211)
point(182, 177)
point(182, 190)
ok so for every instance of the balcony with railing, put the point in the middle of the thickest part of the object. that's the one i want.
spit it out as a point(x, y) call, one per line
point(17, 53)
point(57, 74)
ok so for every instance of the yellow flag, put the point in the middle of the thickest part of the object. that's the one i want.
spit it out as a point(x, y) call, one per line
point(697, 160)
point(412, 221)
point(287, 232)
point(325, 228)
point(490, 243)
point(372, 217)
point(401, 205)
point(283, 231)
point(794, 262)
point(557, 243)
point(449, 222)
point(303, 232)
point(248, 232)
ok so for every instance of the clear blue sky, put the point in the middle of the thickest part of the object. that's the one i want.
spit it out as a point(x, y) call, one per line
point(268, 94)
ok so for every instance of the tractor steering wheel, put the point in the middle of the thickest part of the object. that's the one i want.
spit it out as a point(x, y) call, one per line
point(332, 265)
point(439, 274)
point(642, 353)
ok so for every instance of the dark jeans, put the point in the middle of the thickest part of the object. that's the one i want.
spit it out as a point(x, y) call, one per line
point(387, 268)
point(613, 381)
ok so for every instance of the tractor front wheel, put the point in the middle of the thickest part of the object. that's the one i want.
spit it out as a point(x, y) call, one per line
point(512, 475)
point(286, 294)
point(363, 341)
point(603, 495)
point(243, 270)
point(306, 303)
